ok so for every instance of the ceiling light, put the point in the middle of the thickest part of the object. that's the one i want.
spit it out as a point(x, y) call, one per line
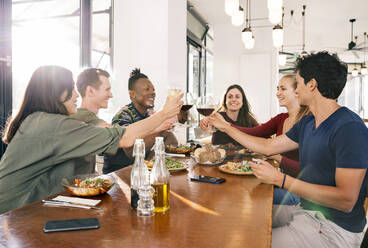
point(246, 34)
point(231, 6)
point(274, 4)
point(363, 70)
point(278, 36)
point(275, 16)
point(354, 72)
point(237, 18)
point(249, 44)
point(282, 59)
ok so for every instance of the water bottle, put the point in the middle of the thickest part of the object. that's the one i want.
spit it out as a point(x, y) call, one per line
point(139, 175)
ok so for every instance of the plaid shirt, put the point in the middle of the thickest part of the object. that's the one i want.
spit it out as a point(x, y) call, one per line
point(128, 115)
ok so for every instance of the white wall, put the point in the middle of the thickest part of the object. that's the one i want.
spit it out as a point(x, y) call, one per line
point(256, 70)
point(150, 35)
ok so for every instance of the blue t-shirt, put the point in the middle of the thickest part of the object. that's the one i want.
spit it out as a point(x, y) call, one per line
point(341, 141)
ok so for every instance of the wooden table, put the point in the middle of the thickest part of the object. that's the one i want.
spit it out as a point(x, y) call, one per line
point(237, 213)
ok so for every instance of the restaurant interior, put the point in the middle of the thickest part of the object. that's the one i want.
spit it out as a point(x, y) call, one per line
point(200, 47)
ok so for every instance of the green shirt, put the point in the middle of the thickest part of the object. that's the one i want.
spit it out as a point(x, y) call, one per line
point(87, 116)
point(43, 151)
point(87, 163)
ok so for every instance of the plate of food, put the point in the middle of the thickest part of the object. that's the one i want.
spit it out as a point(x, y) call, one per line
point(172, 165)
point(234, 151)
point(230, 146)
point(209, 155)
point(237, 168)
point(181, 149)
point(88, 185)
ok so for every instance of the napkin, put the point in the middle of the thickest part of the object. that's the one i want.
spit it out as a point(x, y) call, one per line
point(77, 200)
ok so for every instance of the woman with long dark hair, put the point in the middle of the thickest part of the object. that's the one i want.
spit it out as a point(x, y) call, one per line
point(43, 141)
point(237, 112)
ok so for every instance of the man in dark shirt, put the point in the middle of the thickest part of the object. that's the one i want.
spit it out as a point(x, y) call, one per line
point(142, 94)
point(333, 145)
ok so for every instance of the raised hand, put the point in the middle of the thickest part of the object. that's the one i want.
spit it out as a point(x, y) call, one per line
point(218, 121)
point(172, 106)
point(204, 124)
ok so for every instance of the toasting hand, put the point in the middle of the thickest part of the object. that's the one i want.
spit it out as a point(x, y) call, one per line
point(218, 122)
point(172, 106)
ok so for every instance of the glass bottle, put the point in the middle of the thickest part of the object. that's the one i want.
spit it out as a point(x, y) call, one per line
point(139, 175)
point(160, 178)
point(145, 202)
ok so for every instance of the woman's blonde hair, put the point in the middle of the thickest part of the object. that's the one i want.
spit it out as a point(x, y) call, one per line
point(304, 110)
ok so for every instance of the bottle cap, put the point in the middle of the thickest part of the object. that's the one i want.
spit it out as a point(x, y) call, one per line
point(139, 148)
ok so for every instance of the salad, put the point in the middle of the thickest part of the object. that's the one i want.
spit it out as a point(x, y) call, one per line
point(92, 183)
point(170, 163)
point(242, 166)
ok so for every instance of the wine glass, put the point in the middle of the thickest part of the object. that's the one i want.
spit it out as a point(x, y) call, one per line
point(185, 115)
point(175, 90)
point(189, 101)
point(206, 105)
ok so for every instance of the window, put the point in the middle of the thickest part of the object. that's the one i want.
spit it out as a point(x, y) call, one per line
point(355, 96)
point(102, 44)
point(48, 33)
point(43, 33)
point(209, 65)
point(101, 34)
point(364, 91)
point(200, 60)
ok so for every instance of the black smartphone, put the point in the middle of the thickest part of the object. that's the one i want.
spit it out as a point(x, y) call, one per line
point(70, 225)
point(207, 179)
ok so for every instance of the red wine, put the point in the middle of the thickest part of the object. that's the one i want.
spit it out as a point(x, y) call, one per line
point(186, 107)
point(205, 111)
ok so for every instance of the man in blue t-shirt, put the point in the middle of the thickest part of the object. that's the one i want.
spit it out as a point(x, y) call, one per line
point(333, 152)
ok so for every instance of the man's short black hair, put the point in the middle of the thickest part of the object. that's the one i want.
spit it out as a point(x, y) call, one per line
point(329, 72)
point(134, 76)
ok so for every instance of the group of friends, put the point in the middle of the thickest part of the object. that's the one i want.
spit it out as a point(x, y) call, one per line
point(321, 146)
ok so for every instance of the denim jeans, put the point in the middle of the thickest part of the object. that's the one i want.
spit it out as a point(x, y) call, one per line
point(284, 197)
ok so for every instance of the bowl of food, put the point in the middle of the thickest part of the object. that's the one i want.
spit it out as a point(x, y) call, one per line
point(181, 149)
point(88, 185)
point(209, 155)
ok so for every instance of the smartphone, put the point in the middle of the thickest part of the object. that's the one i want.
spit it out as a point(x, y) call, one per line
point(70, 225)
point(207, 179)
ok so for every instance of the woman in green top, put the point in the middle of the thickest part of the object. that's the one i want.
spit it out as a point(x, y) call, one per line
point(43, 141)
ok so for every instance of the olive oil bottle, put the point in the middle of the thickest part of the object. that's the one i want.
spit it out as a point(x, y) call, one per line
point(160, 178)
